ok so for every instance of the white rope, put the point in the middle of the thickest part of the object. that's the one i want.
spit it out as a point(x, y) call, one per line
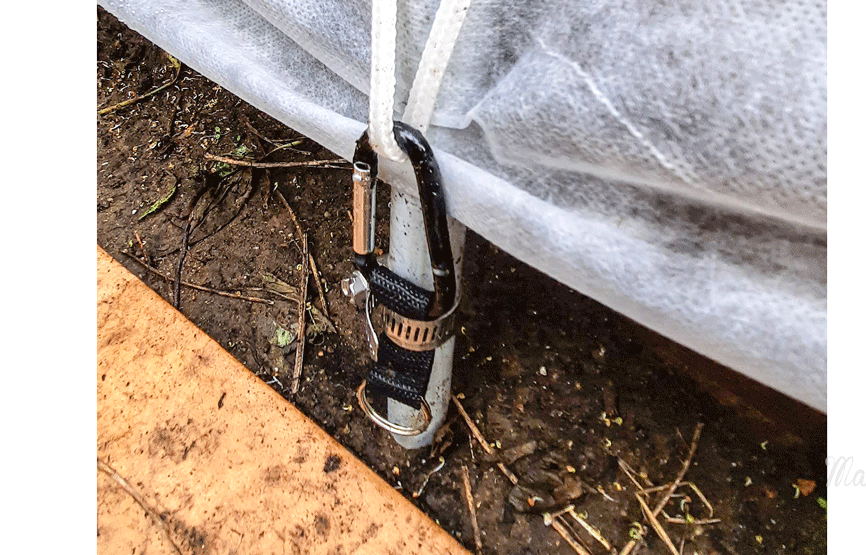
point(383, 81)
point(434, 60)
point(425, 87)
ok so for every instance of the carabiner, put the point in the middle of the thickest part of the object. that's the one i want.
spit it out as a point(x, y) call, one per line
point(416, 320)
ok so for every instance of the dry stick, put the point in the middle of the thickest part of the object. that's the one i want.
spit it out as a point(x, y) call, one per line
point(565, 523)
point(249, 164)
point(192, 224)
point(632, 475)
point(664, 501)
point(703, 499)
point(187, 230)
point(302, 313)
point(472, 427)
point(647, 491)
point(292, 215)
point(566, 535)
point(508, 474)
point(561, 526)
point(174, 63)
point(467, 488)
point(677, 520)
point(319, 287)
point(288, 145)
point(242, 201)
point(312, 260)
point(202, 287)
point(141, 246)
point(476, 433)
point(184, 249)
point(193, 242)
point(138, 499)
point(258, 134)
point(654, 522)
point(588, 527)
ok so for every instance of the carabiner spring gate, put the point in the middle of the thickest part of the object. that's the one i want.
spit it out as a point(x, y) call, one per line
point(417, 321)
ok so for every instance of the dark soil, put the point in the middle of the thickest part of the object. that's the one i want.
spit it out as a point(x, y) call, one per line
point(544, 371)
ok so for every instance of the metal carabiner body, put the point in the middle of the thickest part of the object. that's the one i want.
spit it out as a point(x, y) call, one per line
point(417, 320)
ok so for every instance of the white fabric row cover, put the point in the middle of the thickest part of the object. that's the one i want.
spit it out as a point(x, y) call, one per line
point(665, 158)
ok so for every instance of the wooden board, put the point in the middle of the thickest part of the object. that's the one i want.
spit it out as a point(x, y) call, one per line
point(230, 465)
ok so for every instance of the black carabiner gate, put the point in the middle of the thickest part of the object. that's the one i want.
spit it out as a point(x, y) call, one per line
point(416, 320)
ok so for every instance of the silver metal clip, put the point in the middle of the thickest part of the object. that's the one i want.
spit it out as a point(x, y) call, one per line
point(358, 290)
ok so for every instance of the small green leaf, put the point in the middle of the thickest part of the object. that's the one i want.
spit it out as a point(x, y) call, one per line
point(282, 337)
point(160, 202)
point(823, 503)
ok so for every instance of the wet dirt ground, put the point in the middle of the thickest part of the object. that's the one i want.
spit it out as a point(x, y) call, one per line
point(563, 387)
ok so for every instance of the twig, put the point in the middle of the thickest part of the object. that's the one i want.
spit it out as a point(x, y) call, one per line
point(206, 211)
point(701, 497)
point(188, 226)
point(472, 427)
point(187, 229)
point(250, 164)
point(559, 527)
point(289, 146)
point(508, 474)
point(258, 134)
point(467, 489)
point(292, 215)
point(548, 517)
point(141, 246)
point(241, 202)
point(476, 433)
point(664, 501)
point(319, 287)
point(567, 532)
point(183, 250)
point(278, 287)
point(200, 287)
point(302, 314)
point(628, 547)
point(677, 520)
point(632, 475)
point(647, 491)
point(138, 499)
point(312, 260)
point(174, 62)
point(593, 531)
point(193, 222)
point(654, 522)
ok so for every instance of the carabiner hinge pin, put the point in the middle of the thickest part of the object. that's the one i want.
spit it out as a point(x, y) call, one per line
point(363, 209)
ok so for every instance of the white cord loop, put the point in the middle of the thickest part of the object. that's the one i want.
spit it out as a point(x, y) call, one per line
point(383, 80)
point(434, 60)
point(425, 87)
